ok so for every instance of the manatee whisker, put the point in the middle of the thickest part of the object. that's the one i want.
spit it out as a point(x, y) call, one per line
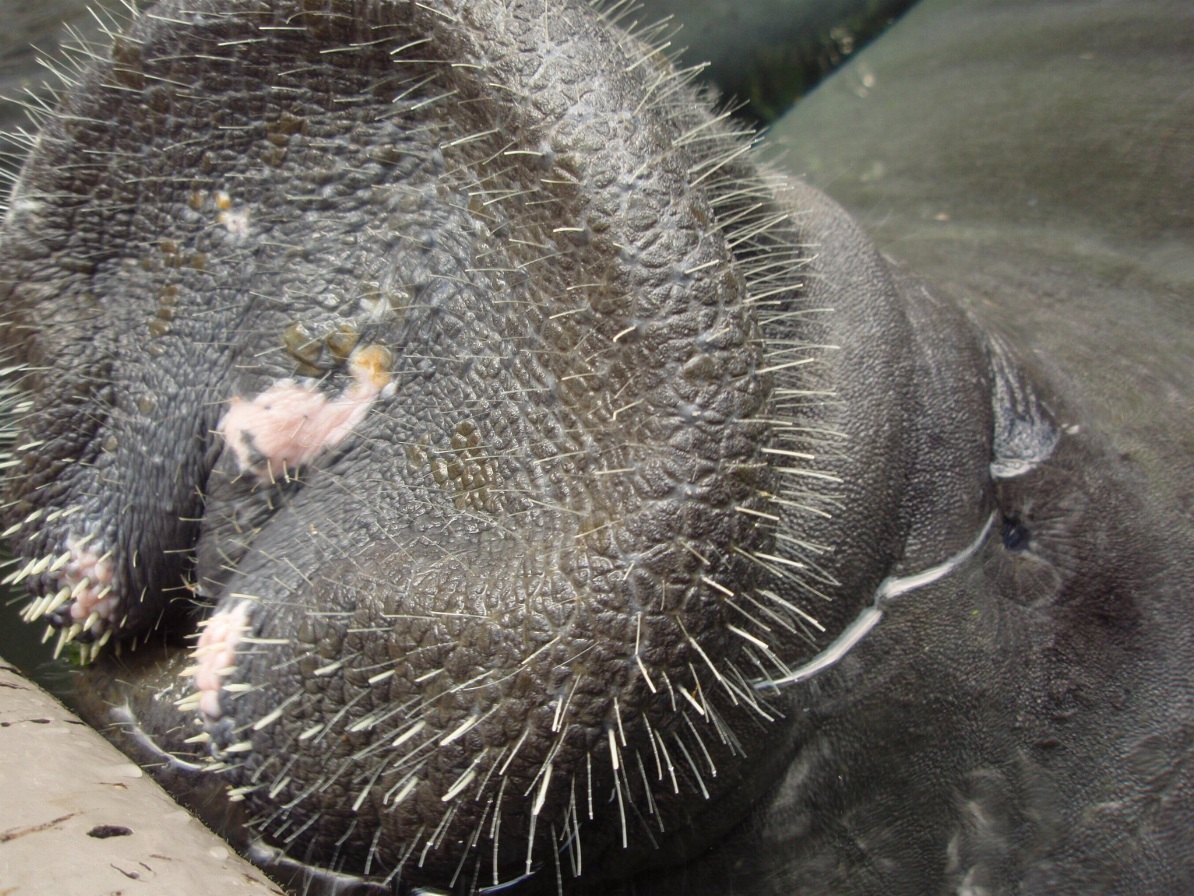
point(312, 731)
point(571, 826)
point(652, 808)
point(441, 828)
point(336, 717)
point(372, 854)
point(279, 785)
point(699, 706)
point(413, 756)
point(619, 774)
point(400, 791)
point(758, 623)
point(562, 705)
point(298, 832)
point(361, 797)
point(692, 767)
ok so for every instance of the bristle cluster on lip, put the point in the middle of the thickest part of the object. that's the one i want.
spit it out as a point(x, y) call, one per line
point(215, 660)
point(80, 596)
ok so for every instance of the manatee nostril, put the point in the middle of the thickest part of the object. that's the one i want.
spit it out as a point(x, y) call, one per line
point(215, 657)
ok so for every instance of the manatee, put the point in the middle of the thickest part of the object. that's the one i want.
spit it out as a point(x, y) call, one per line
point(467, 468)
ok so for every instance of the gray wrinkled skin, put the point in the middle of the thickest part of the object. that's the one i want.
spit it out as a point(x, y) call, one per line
point(685, 544)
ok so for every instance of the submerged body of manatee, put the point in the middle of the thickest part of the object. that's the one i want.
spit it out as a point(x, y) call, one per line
point(554, 498)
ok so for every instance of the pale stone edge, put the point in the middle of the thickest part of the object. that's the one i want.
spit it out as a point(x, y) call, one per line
point(60, 781)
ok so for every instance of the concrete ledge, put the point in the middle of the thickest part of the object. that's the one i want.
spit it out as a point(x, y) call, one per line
point(76, 816)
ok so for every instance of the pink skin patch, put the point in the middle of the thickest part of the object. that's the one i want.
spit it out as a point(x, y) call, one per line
point(89, 577)
point(215, 656)
point(289, 424)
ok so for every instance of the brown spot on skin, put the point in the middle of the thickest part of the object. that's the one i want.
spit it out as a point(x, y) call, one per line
point(302, 344)
point(371, 365)
point(342, 342)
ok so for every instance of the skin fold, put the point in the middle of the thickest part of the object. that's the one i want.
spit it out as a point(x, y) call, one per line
point(495, 478)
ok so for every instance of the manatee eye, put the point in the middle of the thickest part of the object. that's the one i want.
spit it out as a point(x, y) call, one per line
point(1015, 534)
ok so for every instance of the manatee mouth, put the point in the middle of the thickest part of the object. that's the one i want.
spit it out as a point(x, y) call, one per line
point(455, 359)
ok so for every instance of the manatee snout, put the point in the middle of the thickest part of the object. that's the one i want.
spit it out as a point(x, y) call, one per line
point(434, 380)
